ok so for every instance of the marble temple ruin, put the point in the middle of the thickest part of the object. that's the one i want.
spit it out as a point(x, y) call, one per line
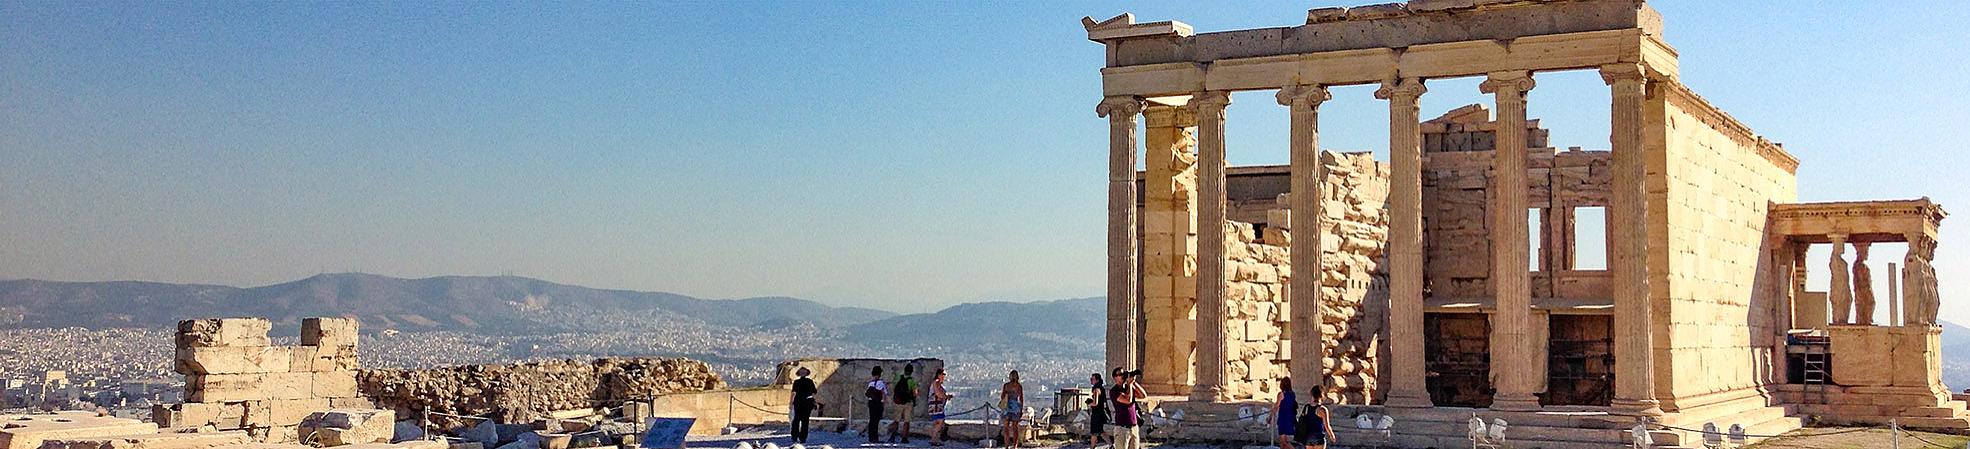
point(1417, 276)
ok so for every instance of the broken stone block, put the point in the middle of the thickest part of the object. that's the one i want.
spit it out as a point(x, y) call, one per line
point(230, 415)
point(406, 431)
point(211, 332)
point(345, 427)
point(329, 332)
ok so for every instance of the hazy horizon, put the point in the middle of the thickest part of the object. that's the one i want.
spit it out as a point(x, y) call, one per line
point(896, 156)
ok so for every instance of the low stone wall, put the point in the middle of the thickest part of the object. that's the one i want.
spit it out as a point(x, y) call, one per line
point(717, 409)
point(843, 381)
point(523, 393)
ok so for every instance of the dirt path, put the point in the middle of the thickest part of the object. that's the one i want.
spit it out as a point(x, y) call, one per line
point(1845, 438)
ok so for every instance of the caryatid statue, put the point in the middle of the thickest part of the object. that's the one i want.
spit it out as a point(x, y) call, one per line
point(1838, 291)
point(1920, 298)
point(1863, 286)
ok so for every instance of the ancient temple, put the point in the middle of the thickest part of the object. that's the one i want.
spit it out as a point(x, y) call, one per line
point(1416, 278)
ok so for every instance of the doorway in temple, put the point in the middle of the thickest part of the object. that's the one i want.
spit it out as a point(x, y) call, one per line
point(1457, 347)
point(1579, 360)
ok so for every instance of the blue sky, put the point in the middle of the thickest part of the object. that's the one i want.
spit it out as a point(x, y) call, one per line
point(901, 155)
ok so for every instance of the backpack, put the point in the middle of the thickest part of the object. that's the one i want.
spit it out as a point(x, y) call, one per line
point(1306, 421)
point(904, 391)
point(872, 393)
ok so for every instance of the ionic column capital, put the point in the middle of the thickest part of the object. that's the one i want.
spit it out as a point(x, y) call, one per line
point(1514, 82)
point(1303, 95)
point(1124, 106)
point(1623, 73)
point(1210, 101)
point(1405, 88)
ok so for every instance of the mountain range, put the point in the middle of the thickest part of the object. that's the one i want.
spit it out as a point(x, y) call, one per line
point(491, 305)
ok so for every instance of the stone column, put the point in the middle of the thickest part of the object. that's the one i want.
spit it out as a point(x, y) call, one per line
point(1894, 296)
point(1511, 282)
point(1213, 350)
point(1838, 291)
point(1308, 357)
point(1627, 230)
point(1122, 276)
point(1863, 281)
point(1407, 387)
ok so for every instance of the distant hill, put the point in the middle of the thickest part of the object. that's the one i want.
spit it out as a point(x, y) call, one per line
point(1068, 326)
point(1956, 356)
point(498, 305)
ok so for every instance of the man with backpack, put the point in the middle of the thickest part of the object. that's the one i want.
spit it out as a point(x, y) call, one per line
point(904, 394)
point(877, 389)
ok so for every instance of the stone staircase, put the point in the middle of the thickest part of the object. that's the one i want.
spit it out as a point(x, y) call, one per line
point(1842, 408)
point(1446, 427)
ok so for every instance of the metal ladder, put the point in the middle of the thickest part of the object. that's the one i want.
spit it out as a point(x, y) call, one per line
point(1816, 375)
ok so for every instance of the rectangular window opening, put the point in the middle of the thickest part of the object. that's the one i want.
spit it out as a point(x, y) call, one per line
point(1590, 238)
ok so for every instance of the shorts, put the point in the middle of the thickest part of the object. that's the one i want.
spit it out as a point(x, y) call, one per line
point(1311, 438)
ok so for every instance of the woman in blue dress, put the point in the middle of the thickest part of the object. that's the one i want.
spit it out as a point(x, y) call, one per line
point(1285, 410)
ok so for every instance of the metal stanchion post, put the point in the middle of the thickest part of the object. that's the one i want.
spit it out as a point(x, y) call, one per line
point(1895, 432)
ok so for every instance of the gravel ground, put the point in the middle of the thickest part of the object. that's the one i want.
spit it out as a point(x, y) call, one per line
point(1846, 437)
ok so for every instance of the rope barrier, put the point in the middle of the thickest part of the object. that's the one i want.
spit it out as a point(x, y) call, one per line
point(754, 407)
point(1926, 440)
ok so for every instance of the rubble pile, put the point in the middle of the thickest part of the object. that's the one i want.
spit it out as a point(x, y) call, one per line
point(526, 392)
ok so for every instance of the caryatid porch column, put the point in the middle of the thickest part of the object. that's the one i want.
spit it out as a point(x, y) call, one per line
point(1839, 291)
point(1213, 354)
point(1407, 384)
point(1627, 224)
point(1863, 281)
point(1511, 280)
point(1123, 279)
point(1307, 360)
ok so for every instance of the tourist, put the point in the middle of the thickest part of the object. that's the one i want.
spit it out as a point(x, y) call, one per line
point(938, 398)
point(903, 393)
point(1125, 394)
point(1285, 410)
point(1314, 430)
point(1097, 410)
point(1012, 396)
point(876, 392)
point(803, 403)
